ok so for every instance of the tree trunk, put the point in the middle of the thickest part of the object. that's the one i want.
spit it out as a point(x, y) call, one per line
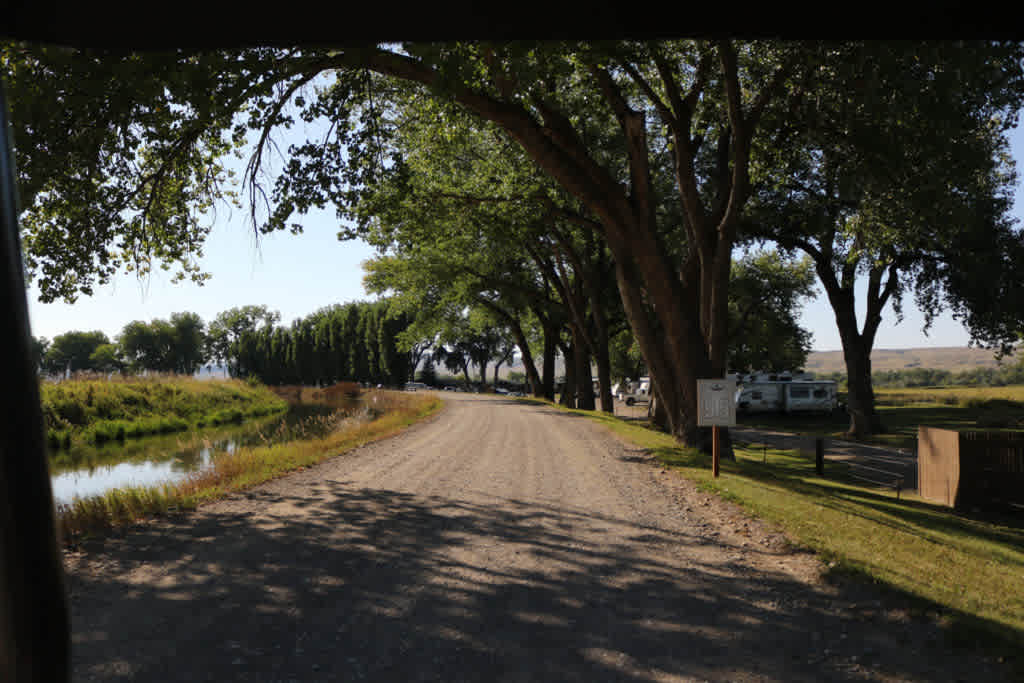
point(568, 397)
point(673, 360)
point(532, 378)
point(483, 375)
point(550, 350)
point(864, 419)
point(656, 412)
point(534, 384)
point(604, 374)
point(595, 285)
point(584, 380)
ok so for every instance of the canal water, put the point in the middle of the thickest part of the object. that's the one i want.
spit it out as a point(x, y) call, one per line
point(85, 470)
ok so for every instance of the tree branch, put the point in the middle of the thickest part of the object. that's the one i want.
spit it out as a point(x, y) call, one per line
point(727, 56)
point(256, 160)
point(768, 92)
point(663, 110)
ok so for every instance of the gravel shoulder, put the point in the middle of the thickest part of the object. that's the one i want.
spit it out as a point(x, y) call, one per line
point(498, 541)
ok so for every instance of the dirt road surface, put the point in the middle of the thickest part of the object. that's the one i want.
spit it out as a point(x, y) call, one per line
point(499, 541)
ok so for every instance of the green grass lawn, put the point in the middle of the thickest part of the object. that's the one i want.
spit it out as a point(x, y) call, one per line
point(970, 569)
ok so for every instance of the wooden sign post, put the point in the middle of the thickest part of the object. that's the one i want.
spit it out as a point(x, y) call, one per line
point(716, 401)
point(714, 450)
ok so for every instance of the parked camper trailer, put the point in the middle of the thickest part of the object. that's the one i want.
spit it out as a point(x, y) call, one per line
point(787, 396)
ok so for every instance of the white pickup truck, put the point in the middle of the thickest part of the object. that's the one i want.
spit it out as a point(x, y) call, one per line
point(634, 392)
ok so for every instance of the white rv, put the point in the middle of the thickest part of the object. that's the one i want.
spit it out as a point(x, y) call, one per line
point(787, 396)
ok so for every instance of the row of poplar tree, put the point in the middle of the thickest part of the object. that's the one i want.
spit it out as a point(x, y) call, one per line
point(355, 342)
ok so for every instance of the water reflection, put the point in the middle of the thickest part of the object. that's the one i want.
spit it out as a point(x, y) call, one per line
point(87, 470)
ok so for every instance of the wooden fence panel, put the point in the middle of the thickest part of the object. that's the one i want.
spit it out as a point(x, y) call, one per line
point(938, 465)
point(992, 469)
point(970, 468)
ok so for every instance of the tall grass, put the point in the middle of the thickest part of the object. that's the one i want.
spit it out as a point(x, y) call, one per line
point(383, 413)
point(96, 411)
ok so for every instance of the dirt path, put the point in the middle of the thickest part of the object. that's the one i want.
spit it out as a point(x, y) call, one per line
point(497, 542)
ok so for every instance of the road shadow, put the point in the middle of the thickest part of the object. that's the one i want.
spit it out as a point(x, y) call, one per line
point(382, 585)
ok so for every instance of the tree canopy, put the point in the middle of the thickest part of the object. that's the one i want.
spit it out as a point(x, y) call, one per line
point(72, 351)
point(766, 293)
point(664, 154)
point(900, 174)
point(176, 345)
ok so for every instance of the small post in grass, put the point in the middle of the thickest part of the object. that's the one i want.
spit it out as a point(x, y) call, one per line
point(717, 408)
point(819, 455)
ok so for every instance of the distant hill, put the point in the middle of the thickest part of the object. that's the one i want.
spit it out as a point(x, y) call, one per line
point(953, 358)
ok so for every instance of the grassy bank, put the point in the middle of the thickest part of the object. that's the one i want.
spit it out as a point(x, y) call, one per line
point(969, 570)
point(96, 411)
point(903, 410)
point(384, 414)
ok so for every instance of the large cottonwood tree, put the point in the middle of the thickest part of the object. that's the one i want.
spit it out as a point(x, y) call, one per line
point(894, 168)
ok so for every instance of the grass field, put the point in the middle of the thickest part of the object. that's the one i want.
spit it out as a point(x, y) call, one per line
point(903, 410)
point(386, 413)
point(969, 570)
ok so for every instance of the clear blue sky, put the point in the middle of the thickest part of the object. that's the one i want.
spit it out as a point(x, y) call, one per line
point(298, 274)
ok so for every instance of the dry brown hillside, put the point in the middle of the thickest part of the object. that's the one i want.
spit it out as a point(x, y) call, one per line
point(952, 358)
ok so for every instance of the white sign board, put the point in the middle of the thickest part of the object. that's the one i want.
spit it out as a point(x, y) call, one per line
point(716, 402)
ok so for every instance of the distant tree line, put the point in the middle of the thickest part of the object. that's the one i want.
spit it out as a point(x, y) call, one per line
point(355, 342)
point(930, 377)
point(175, 345)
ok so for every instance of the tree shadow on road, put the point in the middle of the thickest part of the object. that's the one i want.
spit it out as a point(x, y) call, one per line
point(386, 586)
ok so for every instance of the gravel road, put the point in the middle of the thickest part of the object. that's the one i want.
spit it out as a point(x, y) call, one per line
point(499, 541)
